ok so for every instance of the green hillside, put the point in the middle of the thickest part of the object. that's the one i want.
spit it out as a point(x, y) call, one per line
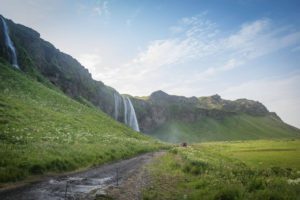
point(42, 131)
point(236, 127)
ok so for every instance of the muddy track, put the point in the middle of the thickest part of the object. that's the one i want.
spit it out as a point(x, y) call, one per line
point(82, 185)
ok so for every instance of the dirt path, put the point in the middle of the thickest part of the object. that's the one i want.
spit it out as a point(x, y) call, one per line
point(120, 180)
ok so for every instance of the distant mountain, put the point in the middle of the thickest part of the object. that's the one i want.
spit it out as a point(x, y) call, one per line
point(177, 118)
point(168, 117)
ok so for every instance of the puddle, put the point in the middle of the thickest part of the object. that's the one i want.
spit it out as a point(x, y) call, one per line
point(72, 188)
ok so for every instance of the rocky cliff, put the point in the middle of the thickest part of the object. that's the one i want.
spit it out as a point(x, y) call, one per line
point(47, 64)
point(157, 114)
point(161, 107)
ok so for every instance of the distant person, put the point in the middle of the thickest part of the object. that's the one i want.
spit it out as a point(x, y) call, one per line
point(184, 144)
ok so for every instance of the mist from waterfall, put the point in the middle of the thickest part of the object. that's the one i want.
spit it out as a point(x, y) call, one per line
point(9, 44)
point(123, 103)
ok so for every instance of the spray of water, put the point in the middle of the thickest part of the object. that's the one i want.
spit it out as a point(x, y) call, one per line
point(129, 116)
point(9, 44)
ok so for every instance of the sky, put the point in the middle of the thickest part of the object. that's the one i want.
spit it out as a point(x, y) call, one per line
point(234, 48)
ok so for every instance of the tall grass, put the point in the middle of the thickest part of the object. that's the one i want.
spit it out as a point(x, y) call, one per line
point(213, 171)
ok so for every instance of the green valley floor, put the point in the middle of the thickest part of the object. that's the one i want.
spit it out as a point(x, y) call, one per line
point(262, 169)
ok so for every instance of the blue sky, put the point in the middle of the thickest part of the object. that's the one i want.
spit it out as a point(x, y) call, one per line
point(236, 48)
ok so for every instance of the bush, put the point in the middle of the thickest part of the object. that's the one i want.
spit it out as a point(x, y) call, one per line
point(173, 151)
point(37, 169)
point(269, 195)
point(229, 193)
point(195, 167)
point(59, 165)
point(256, 184)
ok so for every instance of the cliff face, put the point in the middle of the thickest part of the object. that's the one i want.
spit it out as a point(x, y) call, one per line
point(41, 60)
point(160, 108)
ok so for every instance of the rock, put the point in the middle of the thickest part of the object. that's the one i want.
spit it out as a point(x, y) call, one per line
point(161, 107)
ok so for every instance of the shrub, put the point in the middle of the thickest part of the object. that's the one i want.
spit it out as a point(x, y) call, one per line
point(269, 195)
point(195, 167)
point(256, 184)
point(37, 169)
point(229, 193)
point(173, 151)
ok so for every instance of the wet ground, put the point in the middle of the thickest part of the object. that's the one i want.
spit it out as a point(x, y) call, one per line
point(82, 185)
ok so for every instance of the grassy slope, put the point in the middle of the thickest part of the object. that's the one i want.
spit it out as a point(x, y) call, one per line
point(228, 170)
point(241, 127)
point(42, 130)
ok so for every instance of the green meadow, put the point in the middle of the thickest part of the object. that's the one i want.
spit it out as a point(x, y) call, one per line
point(262, 169)
point(43, 131)
point(238, 127)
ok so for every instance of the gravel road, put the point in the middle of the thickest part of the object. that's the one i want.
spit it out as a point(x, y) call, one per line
point(88, 184)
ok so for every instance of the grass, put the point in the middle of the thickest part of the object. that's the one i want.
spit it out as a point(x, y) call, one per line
point(262, 153)
point(43, 131)
point(238, 127)
point(228, 170)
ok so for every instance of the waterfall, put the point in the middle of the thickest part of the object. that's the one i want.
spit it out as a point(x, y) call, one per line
point(125, 110)
point(132, 116)
point(117, 105)
point(129, 115)
point(9, 44)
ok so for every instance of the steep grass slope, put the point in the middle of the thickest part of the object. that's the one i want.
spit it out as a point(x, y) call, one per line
point(42, 130)
point(236, 127)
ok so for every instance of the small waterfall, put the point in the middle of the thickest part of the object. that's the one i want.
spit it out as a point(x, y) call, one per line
point(117, 105)
point(9, 44)
point(132, 116)
point(129, 115)
point(125, 110)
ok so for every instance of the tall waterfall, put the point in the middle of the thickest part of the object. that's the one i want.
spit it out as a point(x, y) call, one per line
point(117, 105)
point(9, 44)
point(123, 103)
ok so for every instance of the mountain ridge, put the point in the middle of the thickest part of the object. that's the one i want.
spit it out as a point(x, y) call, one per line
point(57, 70)
point(162, 115)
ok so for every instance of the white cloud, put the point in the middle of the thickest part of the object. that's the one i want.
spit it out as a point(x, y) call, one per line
point(201, 39)
point(101, 9)
point(212, 71)
point(193, 41)
point(260, 38)
point(165, 52)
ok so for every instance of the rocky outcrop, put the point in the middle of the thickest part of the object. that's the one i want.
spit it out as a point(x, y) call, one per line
point(161, 107)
